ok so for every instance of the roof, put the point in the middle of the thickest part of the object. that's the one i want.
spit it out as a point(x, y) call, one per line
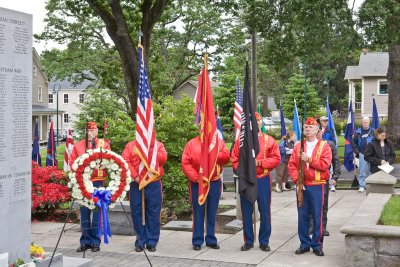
point(370, 64)
point(44, 109)
point(195, 83)
point(65, 84)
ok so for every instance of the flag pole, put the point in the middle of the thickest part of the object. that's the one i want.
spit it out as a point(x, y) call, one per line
point(205, 202)
point(140, 34)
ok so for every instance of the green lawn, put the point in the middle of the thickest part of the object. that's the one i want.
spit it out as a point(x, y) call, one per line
point(391, 212)
point(60, 156)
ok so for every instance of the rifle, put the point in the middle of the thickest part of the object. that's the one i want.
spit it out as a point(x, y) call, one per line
point(300, 177)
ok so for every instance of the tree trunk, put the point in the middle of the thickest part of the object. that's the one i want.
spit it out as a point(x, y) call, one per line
point(393, 124)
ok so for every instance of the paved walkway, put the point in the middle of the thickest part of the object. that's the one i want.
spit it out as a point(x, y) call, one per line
point(174, 248)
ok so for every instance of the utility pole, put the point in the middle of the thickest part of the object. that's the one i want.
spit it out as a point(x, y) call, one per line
point(254, 67)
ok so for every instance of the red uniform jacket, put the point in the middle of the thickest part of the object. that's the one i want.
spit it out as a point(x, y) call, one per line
point(317, 171)
point(191, 159)
point(131, 157)
point(269, 155)
point(80, 148)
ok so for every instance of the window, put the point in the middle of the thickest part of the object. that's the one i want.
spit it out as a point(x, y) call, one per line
point(50, 98)
point(34, 71)
point(382, 87)
point(66, 118)
point(81, 98)
point(65, 98)
point(39, 93)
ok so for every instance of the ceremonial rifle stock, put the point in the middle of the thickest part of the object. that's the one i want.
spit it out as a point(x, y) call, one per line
point(300, 177)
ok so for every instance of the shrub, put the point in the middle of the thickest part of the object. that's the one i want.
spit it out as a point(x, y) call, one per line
point(49, 189)
point(175, 127)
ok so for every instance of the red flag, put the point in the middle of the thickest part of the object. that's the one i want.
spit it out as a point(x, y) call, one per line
point(145, 130)
point(69, 145)
point(208, 134)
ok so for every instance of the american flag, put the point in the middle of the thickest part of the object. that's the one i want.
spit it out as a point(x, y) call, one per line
point(145, 130)
point(69, 145)
point(237, 114)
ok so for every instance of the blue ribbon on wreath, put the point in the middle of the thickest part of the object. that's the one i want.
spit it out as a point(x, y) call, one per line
point(104, 200)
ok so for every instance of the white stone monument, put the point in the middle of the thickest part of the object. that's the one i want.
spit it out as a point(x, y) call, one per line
point(15, 133)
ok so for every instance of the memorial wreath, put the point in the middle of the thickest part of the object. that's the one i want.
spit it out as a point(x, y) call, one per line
point(83, 170)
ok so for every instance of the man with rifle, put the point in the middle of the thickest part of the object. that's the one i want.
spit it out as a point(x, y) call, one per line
point(309, 169)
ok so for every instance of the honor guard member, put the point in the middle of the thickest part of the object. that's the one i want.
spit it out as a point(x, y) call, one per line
point(267, 159)
point(89, 225)
point(317, 158)
point(147, 235)
point(191, 158)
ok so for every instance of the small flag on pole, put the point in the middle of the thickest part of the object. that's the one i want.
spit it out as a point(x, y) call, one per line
point(51, 157)
point(296, 122)
point(237, 114)
point(36, 148)
point(219, 127)
point(69, 145)
point(348, 143)
point(375, 116)
point(331, 124)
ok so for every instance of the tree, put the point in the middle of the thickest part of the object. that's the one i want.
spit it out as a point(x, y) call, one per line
point(176, 35)
point(379, 20)
point(295, 90)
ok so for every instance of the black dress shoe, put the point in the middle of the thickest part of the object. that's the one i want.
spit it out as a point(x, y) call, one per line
point(138, 249)
point(326, 233)
point(265, 247)
point(83, 248)
point(95, 248)
point(318, 252)
point(213, 246)
point(151, 248)
point(196, 247)
point(302, 251)
point(246, 247)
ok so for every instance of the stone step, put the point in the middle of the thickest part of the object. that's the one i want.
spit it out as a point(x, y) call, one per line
point(178, 226)
point(77, 262)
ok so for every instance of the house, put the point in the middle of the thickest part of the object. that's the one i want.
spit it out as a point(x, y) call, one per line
point(69, 96)
point(367, 79)
point(41, 112)
point(189, 88)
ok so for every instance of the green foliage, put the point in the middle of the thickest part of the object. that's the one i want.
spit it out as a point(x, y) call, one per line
point(175, 127)
point(379, 20)
point(121, 130)
point(391, 212)
point(295, 90)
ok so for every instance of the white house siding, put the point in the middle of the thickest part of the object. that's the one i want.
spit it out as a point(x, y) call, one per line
point(371, 87)
point(70, 108)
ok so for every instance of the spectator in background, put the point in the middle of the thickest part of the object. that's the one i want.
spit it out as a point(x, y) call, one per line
point(379, 151)
point(282, 173)
point(328, 134)
point(364, 135)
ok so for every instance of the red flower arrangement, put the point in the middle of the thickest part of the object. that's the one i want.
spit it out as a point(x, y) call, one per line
point(49, 189)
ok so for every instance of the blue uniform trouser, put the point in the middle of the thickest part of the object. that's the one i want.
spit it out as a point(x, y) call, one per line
point(211, 205)
point(364, 171)
point(264, 207)
point(89, 226)
point(148, 234)
point(313, 198)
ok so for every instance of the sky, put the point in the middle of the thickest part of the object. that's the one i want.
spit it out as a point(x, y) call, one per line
point(38, 10)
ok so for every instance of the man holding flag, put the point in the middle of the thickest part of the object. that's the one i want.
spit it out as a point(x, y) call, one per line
point(202, 161)
point(146, 157)
point(254, 156)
